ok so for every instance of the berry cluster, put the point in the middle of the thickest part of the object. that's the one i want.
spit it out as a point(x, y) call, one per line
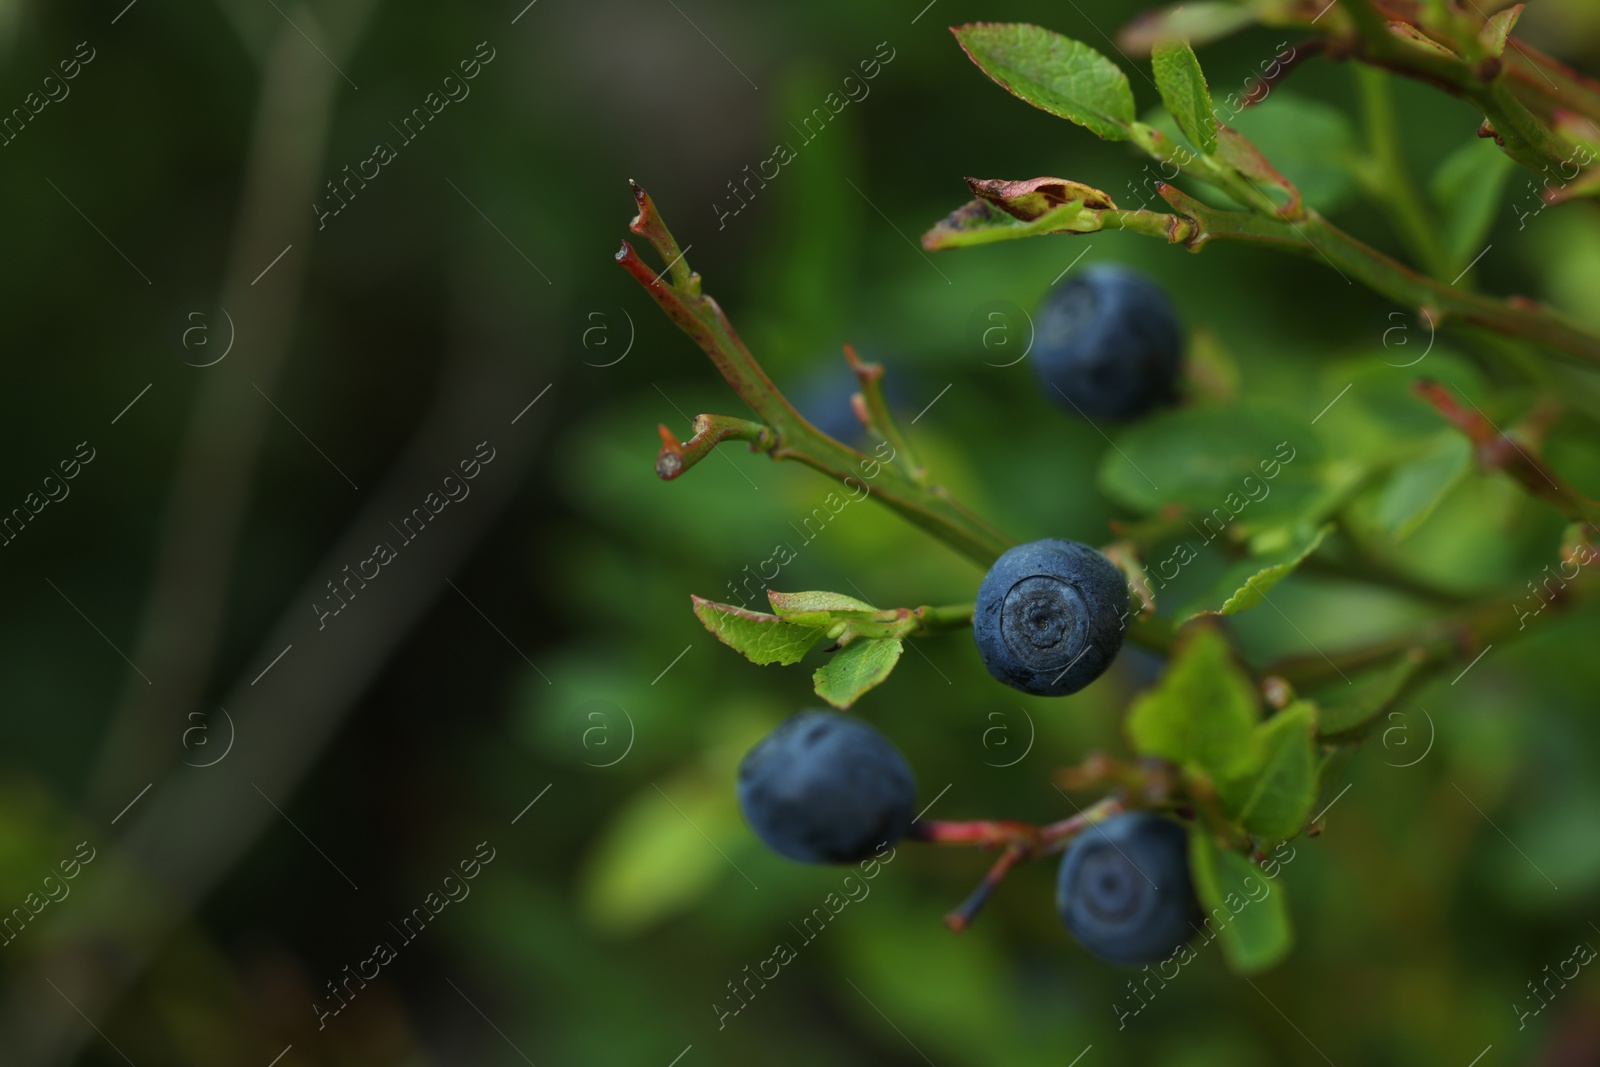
point(1049, 619)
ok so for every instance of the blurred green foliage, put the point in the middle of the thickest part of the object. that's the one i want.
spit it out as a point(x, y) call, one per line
point(630, 895)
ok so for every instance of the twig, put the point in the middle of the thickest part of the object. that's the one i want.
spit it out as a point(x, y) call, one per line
point(709, 431)
point(1453, 638)
point(874, 413)
point(792, 437)
point(968, 909)
point(1516, 129)
point(1496, 451)
point(1021, 841)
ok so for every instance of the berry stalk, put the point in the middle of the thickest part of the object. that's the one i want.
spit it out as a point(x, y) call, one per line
point(1021, 841)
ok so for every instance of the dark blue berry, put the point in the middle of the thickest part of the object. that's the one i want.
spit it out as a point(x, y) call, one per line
point(1109, 344)
point(1050, 617)
point(826, 788)
point(1124, 889)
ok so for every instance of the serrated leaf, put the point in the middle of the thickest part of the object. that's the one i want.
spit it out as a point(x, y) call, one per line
point(1350, 706)
point(1495, 31)
point(979, 222)
point(760, 638)
point(1202, 712)
point(1245, 910)
point(1198, 23)
point(1415, 488)
point(1054, 73)
point(1273, 800)
point(856, 668)
point(1182, 85)
point(1246, 585)
point(1240, 463)
point(1467, 188)
point(786, 604)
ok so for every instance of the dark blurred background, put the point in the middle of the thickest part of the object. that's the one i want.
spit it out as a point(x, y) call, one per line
point(268, 389)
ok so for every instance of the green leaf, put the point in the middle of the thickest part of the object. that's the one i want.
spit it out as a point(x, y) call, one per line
point(1211, 373)
point(1183, 89)
point(1273, 801)
point(651, 861)
point(1201, 458)
point(1495, 31)
point(1246, 585)
point(1416, 486)
point(1311, 143)
point(1380, 417)
point(759, 638)
point(1054, 73)
point(1350, 706)
point(854, 669)
point(786, 604)
point(979, 222)
point(1198, 23)
point(1468, 189)
point(1245, 909)
point(1238, 152)
point(1202, 712)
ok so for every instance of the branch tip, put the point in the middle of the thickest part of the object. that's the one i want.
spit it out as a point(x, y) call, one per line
point(858, 406)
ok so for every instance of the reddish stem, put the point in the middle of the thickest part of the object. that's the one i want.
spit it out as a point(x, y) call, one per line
point(1022, 841)
point(985, 833)
point(1498, 451)
point(709, 432)
point(962, 917)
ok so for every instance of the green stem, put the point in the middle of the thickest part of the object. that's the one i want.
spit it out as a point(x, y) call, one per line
point(1316, 237)
point(1201, 167)
point(1388, 180)
point(1197, 225)
point(879, 419)
point(928, 506)
point(1557, 84)
point(1453, 638)
point(932, 620)
point(909, 622)
point(709, 432)
point(1523, 136)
